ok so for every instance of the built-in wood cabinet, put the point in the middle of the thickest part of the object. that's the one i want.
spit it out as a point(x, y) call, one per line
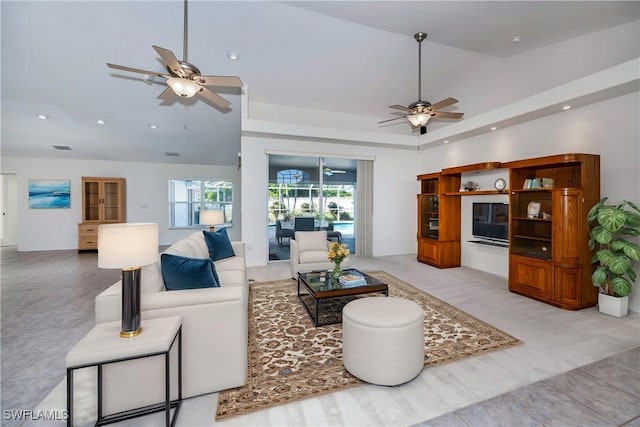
point(439, 220)
point(549, 256)
point(103, 201)
point(549, 198)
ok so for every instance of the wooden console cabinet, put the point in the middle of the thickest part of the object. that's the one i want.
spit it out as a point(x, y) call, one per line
point(549, 198)
point(103, 201)
point(439, 220)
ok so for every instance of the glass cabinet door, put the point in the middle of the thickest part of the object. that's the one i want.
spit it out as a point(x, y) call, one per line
point(91, 195)
point(429, 219)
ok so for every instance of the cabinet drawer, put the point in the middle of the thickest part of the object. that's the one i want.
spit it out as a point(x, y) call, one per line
point(88, 229)
point(88, 242)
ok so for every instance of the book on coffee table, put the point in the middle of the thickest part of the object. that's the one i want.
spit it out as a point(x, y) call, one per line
point(352, 279)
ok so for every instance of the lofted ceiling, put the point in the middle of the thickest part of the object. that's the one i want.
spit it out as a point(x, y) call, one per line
point(352, 57)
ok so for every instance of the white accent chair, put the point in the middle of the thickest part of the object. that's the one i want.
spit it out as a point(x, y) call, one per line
point(214, 329)
point(309, 252)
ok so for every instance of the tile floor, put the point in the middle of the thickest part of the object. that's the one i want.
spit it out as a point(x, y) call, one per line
point(47, 306)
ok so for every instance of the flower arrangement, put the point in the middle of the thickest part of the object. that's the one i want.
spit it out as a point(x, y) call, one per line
point(337, 253)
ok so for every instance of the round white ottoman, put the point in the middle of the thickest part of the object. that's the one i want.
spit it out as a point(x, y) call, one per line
point(383, 339)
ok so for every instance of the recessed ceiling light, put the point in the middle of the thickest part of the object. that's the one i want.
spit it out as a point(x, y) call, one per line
point(43, 116)
point(566, 107)
point(62, 147)
point(516, 39)
point(100, 121)
point(152, 126)
point(446, 142)
point(232, 56)
point(494, 128)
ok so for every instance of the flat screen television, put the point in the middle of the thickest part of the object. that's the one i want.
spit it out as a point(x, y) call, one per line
point(491, 221)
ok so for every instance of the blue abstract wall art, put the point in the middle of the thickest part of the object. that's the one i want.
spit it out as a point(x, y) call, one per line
point(49, 194)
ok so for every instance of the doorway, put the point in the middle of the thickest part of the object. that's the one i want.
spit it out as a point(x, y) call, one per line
point(322, 188)
point(8, 209)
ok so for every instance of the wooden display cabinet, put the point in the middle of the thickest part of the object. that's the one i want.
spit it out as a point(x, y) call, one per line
point(549, 257)
point(438, 221)
point(103, 201)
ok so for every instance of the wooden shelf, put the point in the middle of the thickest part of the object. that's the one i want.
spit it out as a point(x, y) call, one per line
point(475, 193)
point(476, 167)
point(523, 218)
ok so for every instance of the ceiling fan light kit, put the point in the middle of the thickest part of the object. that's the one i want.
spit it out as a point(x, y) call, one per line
point(184, 79)
point(183, 87)
point(420, 112)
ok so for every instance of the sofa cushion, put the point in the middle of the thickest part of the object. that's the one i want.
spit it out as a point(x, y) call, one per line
point(313, 257)
point(232, 263)
point(179, 272)
point(151, 278)
point(192, 246)
point(312, 241)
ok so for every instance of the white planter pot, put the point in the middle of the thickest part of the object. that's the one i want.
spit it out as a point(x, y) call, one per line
point(613, 306)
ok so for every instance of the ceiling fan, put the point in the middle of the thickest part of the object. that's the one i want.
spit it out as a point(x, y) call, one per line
point(419, 112)
point(330, 172)
point(184, 79)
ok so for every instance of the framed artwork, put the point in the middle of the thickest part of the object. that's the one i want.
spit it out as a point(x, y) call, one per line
point(49, 194)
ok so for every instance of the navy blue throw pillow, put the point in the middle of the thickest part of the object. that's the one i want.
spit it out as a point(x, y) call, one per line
point(180, 272)
point(219, 244)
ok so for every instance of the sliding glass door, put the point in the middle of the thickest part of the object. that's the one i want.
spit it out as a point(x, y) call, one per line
point(317, 187)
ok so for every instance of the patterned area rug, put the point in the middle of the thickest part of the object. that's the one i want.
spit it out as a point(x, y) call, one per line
point(290, 359)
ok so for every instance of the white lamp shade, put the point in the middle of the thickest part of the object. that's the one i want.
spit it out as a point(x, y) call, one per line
point(127, 245)
point(183, 87)
point(211, 217)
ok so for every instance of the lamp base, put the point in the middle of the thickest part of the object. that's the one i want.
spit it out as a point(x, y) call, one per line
point(131, 334)
point(130, 326)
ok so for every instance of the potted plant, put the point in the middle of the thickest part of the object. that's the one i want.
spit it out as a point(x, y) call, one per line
point(615, 255)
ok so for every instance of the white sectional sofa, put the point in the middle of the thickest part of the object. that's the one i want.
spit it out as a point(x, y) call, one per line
point(214, 327)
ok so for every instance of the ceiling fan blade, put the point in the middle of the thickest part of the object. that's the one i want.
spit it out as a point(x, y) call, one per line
point(170, 60)
point(400, 107)
point(395, 118)
point(227, 81)
point(443, 103)
point(166, 95)
point(136, 70)
point(447, 115)
point(214, 97)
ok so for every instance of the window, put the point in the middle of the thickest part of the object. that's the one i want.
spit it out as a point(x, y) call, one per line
point(187, 197)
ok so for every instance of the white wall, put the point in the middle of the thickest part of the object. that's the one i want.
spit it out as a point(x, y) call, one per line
point(146, 190)
point(609, 128)
point(395, 189)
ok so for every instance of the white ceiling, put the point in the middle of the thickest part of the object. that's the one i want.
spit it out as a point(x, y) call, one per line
point(350, 57)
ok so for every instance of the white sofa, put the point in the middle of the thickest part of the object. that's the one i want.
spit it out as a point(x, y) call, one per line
point(214, 328)
point(308, 252)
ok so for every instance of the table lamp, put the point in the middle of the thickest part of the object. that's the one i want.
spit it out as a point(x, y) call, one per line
point(128, 247)
point(211, 218)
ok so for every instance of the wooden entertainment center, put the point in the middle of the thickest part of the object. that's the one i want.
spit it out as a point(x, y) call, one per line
point(549, 198)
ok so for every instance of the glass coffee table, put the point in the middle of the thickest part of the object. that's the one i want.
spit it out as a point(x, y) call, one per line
point(324, 296)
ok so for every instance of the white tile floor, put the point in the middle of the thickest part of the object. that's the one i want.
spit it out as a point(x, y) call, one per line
point(554, 341)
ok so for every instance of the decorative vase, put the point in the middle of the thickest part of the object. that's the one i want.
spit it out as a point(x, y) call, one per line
point(613, 306)
point(337, 270)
